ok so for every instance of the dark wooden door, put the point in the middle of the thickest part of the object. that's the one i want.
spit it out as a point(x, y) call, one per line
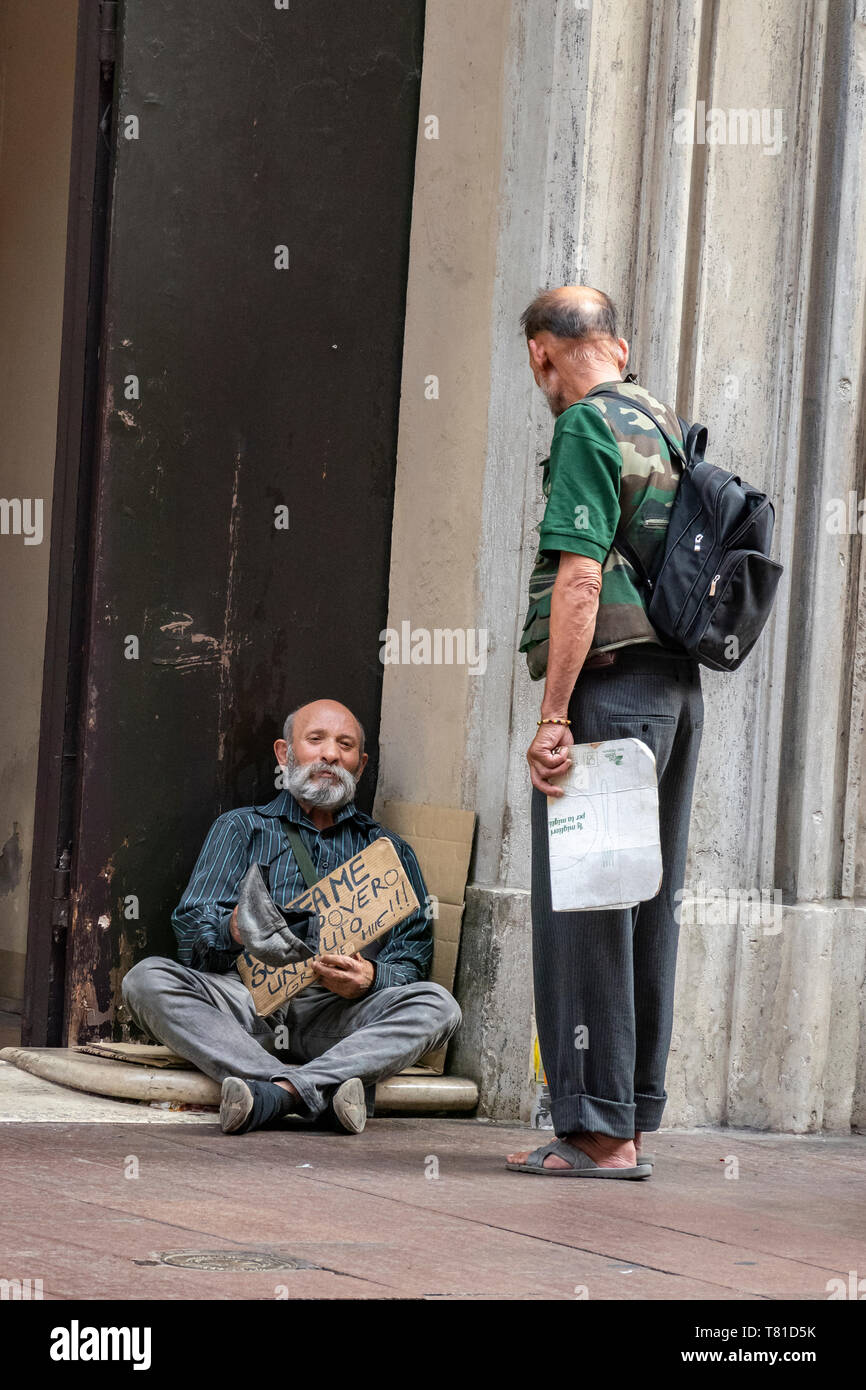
point(250, 376)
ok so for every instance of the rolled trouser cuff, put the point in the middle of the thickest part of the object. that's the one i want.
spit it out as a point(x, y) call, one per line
point(648, 1111)
point(572, 1114)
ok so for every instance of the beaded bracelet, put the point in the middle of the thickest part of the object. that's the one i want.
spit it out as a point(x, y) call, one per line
point(553, 721)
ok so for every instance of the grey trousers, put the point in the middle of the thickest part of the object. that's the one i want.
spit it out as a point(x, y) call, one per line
point(317, 1040)
point(611, 972)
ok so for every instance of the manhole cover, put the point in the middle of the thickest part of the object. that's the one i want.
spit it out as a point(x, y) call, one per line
point(229, 1260)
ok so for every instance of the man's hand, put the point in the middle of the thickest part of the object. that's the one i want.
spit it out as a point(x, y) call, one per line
point(573, 613)
point(348, 976)
point(233, 929)
point(548, 756)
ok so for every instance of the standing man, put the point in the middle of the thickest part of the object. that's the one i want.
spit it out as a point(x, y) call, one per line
point(604, 976)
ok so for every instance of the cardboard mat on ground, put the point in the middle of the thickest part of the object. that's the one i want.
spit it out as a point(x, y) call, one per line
point(441, 837)
point(148, 1055)
point(142, 1054)
point(356, 903)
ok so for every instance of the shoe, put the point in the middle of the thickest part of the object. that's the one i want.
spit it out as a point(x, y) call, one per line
point(248, 1105)
point(348, 1106)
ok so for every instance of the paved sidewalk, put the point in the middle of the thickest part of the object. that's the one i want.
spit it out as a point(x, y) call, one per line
point(418, 1208)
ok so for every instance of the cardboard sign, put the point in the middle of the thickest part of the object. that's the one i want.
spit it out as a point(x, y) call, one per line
point(603, 834)
point(360, 900)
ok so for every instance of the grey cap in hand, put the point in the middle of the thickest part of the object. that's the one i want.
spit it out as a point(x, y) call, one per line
point(264, 929)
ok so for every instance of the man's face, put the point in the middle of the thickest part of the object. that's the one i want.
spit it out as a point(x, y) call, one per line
point(324, 763)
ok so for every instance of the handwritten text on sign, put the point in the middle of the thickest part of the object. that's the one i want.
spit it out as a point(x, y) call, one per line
point(360, 900)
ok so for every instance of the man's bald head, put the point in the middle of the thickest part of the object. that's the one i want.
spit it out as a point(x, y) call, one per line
point(329, 713)
point(571, 336)
point(576, 312)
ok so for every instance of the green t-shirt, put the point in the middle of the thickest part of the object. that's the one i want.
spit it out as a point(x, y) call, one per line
point(582, 511)
point(608, 468)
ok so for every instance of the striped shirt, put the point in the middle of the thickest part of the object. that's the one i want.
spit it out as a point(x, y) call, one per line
point(254, 835)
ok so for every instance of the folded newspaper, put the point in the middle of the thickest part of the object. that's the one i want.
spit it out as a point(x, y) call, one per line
point(603, 833)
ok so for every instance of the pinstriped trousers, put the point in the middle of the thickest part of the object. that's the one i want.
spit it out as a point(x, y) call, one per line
point(611, 972)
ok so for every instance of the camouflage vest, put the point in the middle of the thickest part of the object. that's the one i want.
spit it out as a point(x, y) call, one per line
point(648, 485)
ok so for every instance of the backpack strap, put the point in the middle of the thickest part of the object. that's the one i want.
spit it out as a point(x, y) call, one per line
point(696, 439)
point(299, 849)
point(672, 444)
point(620, 543)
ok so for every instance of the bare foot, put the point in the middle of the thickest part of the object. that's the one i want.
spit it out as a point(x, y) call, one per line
point(603, 1149)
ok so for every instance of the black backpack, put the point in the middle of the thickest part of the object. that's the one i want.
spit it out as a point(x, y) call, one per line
point(715, 584)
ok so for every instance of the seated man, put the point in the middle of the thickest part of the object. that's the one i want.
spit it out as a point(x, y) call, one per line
point(367, 1017)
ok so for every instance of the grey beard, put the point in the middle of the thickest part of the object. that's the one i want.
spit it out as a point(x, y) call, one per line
point(299, 779)
point(554, 402)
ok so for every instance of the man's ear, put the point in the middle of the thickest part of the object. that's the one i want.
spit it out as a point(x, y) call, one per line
point(362, 764)
point(537, 355)
point(623, 353)
point(281, 748)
